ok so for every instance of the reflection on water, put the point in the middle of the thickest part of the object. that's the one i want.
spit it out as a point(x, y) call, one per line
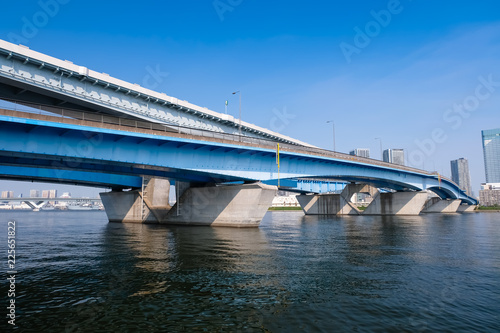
point(295, 273)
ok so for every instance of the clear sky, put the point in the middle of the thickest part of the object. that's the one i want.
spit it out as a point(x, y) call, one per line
point(421, 75)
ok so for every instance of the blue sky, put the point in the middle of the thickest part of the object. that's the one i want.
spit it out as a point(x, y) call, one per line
point(410, 72)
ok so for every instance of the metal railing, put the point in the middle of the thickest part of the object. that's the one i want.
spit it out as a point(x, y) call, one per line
point(132, 122)
point(177, 130)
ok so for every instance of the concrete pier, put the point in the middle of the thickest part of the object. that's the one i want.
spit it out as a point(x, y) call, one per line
point(466, 208)
point(335, 204)
point(149, 205)
point(126, 207)
point(437, 205)
point(228, 205)
point(326, 204)
point(397, 203)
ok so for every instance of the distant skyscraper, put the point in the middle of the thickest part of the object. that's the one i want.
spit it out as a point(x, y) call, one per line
point(52, 194)
point(34, 193)
point(49, 194)
point(491, 151)
point(7, 194)
point(460, 174)
point(361, 152)
point(396, 156)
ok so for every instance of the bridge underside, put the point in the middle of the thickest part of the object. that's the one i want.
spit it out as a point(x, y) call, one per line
point(32, 96)
point(69, 177)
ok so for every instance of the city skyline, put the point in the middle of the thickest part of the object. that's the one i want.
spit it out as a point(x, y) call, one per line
point(398, 83)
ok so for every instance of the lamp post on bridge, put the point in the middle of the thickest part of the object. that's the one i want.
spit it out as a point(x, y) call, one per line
point(381, 152)
point(239, 92)
point(333, 128)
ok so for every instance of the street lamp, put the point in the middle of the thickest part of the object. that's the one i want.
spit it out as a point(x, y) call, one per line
point(333, 128)
point(239, 92)
point(381, 154)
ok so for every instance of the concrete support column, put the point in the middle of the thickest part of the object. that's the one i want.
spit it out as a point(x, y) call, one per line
point(156, 196)
point(466, 208)
point(148, 206)
point(437, 205)
point(320, 204)
point(397, 203)
point(335, 204)
point(228, 205)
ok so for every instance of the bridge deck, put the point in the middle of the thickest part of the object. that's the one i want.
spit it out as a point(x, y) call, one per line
point(114, 123)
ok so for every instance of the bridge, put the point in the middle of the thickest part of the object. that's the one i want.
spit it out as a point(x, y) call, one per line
point(76, 126)
point(37, 203)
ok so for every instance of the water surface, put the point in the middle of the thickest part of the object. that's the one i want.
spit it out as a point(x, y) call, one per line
point(296, 273)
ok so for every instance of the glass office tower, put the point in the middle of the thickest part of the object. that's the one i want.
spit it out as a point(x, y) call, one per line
point(491, 151)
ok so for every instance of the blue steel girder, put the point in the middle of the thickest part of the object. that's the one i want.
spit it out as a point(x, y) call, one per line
point(70, 177)
point(33, 142)
point(308, 185)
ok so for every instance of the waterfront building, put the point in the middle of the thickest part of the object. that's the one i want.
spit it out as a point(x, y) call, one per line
point(460, 174)
point(489, 194)
point(286, 201)
point(7, 194)
point(395, 156)
point(491, 151)
point(50, 194)
point(34, 193)
point(361, 152)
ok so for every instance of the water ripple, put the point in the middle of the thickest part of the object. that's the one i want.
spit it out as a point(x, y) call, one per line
point(78, 273)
